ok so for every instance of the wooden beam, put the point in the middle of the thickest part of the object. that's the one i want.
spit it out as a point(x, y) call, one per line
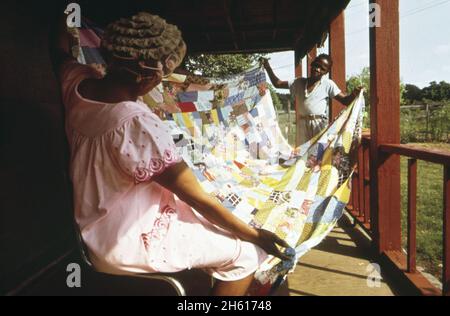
point(385, 128)
point(230, 23)
point(241, 19)
point(255, 48)
point(275, 16)
point(198, 6)
point(337, 53)
point(413, 151)
point(246, 29)
point(244, 37)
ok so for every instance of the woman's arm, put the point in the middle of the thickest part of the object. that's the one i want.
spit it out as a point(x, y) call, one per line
point(347, 99)
point(180, 180)
point(277, 83)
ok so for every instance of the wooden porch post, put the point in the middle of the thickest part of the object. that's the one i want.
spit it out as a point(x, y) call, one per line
point(446, 219)
point(385, 127)
point(312, 54)
point(298, 73)
point(337, 53)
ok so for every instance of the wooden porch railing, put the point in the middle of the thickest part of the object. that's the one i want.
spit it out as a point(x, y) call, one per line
point(359, 208)
point(359, 205)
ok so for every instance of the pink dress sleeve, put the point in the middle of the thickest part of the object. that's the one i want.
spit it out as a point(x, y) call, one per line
point(144, 148)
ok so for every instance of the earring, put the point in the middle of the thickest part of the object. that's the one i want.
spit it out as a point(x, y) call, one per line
point(138, 78)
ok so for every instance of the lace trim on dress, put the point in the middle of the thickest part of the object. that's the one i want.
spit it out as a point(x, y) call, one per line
point(156, 166)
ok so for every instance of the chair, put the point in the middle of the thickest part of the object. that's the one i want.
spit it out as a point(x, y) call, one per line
point(165, 278)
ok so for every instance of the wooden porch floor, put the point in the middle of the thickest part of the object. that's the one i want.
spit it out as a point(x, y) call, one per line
point(336, 267)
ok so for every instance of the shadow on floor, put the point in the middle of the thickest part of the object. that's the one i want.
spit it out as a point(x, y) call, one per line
point(339, 266)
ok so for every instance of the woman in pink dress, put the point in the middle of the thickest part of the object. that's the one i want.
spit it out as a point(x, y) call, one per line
point(138, 206)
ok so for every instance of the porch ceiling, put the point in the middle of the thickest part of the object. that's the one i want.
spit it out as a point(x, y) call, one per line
point(232, 26)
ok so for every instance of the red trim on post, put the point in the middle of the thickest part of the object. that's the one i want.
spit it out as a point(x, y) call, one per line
point(298, 73)
point(366, 155)
point(355, 195)
point(412, 200)
point(361, 182)
point(337, 53)
point(446, 254)
point(385, 127)
point(298, 66)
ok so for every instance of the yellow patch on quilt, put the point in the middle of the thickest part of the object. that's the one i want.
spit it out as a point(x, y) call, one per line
point(304, 181)
point(215, 117)
point(327, 157)
point(306, 233)
point(253, 202)
point(324, 181)
point(347, 141)
point(237, 177)
point(177, 78)
point(343, 192)
point(271, 182)
point(249, 183)
point(285, 179)
point(264, 211)
point(187, 120)
point(152, 104)
point(261, 191)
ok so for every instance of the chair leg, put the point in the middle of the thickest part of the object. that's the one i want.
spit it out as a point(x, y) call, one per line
point(174, 283)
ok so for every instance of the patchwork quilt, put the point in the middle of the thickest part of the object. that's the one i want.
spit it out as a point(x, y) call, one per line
point(227, 132)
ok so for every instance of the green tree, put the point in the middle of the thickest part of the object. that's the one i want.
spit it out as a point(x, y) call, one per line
point(363, 79)
point(413, 93)
point(220, 65)
point(403, 100)
point(275, 98)
point(285, 98)
point(437, 91)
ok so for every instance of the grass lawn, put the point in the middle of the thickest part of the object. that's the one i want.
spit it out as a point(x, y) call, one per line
point(287, 126)
point(429, 211)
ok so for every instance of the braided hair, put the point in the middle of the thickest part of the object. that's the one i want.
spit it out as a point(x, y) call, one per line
point(146, 38)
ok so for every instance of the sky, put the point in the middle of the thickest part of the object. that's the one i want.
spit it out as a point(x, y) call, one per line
point(424, 42)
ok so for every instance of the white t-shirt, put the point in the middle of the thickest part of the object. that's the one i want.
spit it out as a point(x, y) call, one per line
point(316, 102)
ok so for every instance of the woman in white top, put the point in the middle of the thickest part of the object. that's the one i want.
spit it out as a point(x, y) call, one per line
point(312, 95)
